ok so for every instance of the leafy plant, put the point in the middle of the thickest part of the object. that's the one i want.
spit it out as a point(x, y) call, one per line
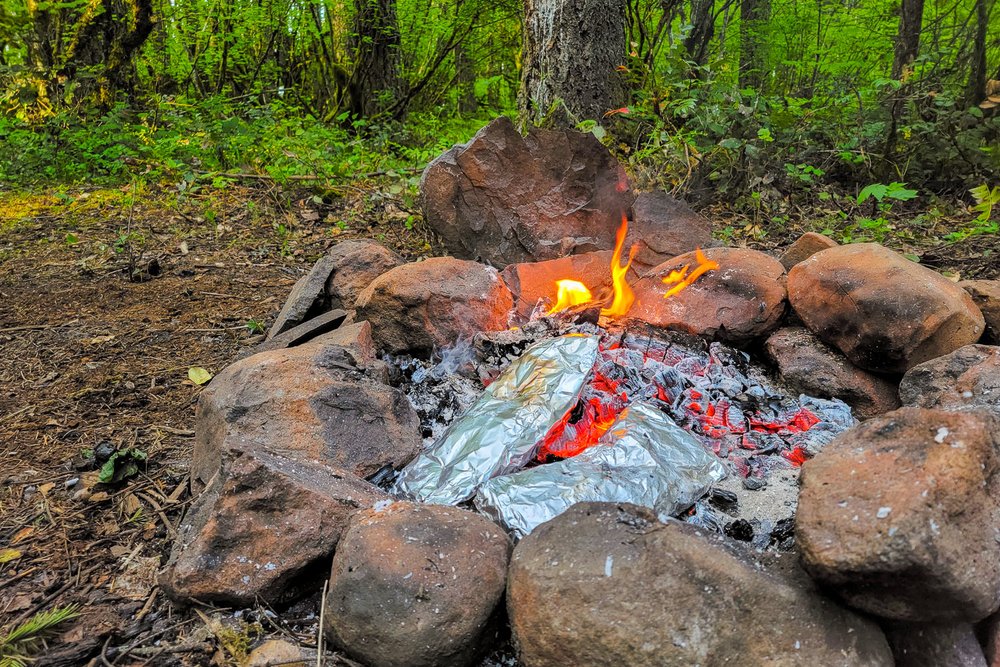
point(123, 464)
point(21, 643)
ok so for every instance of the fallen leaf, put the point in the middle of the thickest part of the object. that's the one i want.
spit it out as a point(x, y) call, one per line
point(199, 375)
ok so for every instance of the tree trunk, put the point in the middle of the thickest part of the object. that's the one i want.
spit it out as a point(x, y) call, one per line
point(571, 50)
point(911, 16)
point(375, 84)
point(975, 89)
point(702, 31)
point(754, 15)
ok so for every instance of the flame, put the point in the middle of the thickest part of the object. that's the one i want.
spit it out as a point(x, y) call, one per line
point(623, 294)
point(570, 293)
point(681, 279)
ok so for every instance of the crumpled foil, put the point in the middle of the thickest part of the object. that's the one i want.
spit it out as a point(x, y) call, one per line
point(500, 433)
point(645, 459)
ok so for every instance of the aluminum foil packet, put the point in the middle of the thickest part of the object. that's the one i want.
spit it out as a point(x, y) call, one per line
point(644, 458)
point(501, 431)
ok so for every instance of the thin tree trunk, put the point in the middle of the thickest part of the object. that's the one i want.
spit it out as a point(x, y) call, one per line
point(376, 46)
point(571, 51)
point(754, 15)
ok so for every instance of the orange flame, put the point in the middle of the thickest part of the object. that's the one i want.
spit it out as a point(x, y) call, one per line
point(570, 293)
point(623, 294)
point(681, 279)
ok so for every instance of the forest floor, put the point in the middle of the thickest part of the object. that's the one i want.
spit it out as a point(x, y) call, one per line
point(107, 298)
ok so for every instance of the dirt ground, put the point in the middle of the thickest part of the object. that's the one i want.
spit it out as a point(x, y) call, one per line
point(107, 299)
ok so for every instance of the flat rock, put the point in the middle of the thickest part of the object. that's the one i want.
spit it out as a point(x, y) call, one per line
point(741, 300)
point(416, 585)
point(809, 366)
point(663, 227)
point(935, 645)
point(530, 282)
point(355, 265)
point(503, 198)
point(986, 295)
point(307, 298)
point(805, 247)
point(969, 376)
point(425, 305)
point(322, 401)
point(264, 529)
point(606, 584)
point(886, 313)
point(899, 516)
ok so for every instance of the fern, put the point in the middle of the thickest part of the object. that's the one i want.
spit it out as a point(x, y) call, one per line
point(22, 641)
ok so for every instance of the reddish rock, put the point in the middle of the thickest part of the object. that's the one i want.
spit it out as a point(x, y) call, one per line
point(663, 227)
point(808, 366)
point(263, 526)
point(503, 198)
point(743, 299)
point(986, 295)
point(899, 516)
point(355, 264)
point(935, 645)
point(805, 247)
point(431, 304)
point(969, 376)
point(886, 313)
point(416, 585)
point(606, 584)
point(321, 401)
point(531, 281)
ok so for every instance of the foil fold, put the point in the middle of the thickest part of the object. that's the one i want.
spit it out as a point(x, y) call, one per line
point(644, 458)
point(501, 431)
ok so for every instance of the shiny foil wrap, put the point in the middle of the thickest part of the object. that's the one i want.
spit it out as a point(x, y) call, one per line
point(645, 459)
point(500, 432)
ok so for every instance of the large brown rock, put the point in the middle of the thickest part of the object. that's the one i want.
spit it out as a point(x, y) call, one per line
point(265, 527)
point(416, 585)
point(808, 366)
point(322, 401)
point(605, 584)
point(969, 376)
point(663, 227)
point(530, 282)
point(805, 247)
point(935, 645)
point(741, 300)
point(354, 265)
point(431, 304)
point(986, 295)
point(503, 198)
point(899, 516)
point(886, 313)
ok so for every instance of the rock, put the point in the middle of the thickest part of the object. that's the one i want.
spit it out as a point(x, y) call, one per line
point(355, 265)
point(431, 304)
point(416, 585)
point(935, 645)
point(899, 516)
point(986, 295)
point(503, 198)
point(262, 529)
point(805, 247)
point(886, 313)
point(276, 652)
point(309, 330)
point(322, 401)
point(969, 376)
point(531, 281)
point(808, 366)
point(606, 584)
point(664, 227)
point(743, 299)
point(307, 299)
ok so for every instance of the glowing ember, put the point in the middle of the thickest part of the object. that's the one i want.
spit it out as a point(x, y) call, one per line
point(570, 293)
point(681, 279)
point(624, 296)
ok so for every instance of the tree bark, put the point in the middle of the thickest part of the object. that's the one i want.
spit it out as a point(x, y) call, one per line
point(754, 15)
point(570, 53)
point(975, 89)
point(911, 16)
point(375, 84)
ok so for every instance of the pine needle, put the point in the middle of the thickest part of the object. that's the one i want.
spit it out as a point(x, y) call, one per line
point(21, 642)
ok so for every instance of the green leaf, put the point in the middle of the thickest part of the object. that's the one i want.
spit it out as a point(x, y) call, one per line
point(199, 375)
